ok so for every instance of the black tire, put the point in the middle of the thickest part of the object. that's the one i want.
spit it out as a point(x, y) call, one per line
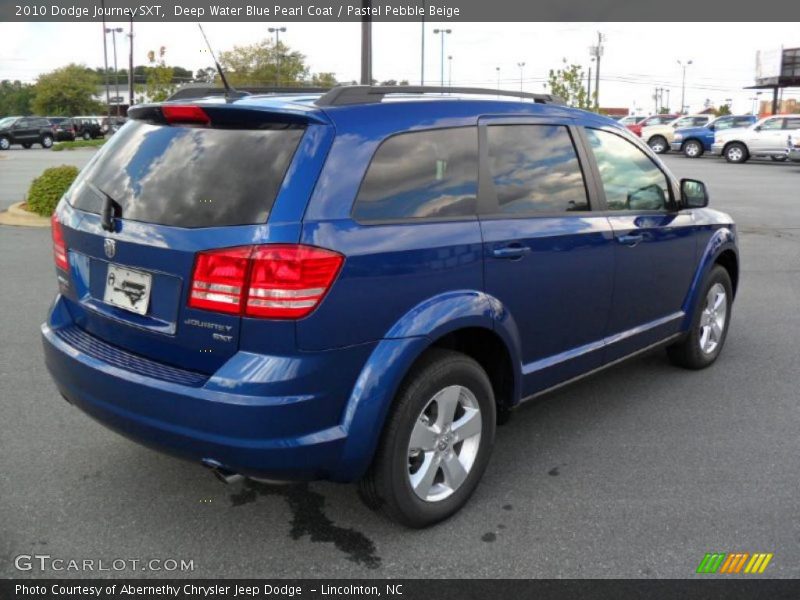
point(386, 486)
point(86, 135)
point(688, 353)
point(693, 149)
point(658, 144)
point(27, 145)
point(736, 152)
point(47, 141)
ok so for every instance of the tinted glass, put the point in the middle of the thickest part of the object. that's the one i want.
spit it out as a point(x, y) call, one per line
point(742, 122)
point(792, 123)
point(421, 175)
point(630, 179)
point(189, 177)
point(772, 124)
point(535, 169)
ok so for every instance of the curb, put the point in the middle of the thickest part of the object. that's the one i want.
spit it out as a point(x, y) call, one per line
point(16, 215)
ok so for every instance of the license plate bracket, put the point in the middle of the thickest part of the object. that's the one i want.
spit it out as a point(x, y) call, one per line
point(128, 289)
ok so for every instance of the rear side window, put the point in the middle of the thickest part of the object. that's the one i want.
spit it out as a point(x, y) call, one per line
point(422, 174)
point(189, 177)
point(792, 123)
point(535, 169)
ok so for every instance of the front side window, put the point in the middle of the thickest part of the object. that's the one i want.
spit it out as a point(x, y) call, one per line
point(535, 169)
point(630, 179)
point(421, 174)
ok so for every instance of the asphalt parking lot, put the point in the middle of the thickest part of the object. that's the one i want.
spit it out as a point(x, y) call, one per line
point(636, 472)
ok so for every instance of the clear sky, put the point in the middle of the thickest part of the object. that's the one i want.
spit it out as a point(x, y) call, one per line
point(638, 56)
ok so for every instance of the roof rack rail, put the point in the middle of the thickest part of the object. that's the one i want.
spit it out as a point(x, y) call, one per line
point(192, 91)
point(370, 94)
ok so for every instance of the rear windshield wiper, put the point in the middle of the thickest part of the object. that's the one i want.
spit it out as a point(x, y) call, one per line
point(110, 210)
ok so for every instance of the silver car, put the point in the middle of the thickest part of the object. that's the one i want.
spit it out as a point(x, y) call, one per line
point(766, 137)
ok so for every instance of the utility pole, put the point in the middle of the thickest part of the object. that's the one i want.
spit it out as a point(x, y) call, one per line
point(597, 52)
point(366, 43)
point(589, 86)
point(422, 50)
point(277, 31)
point(498, 78)
point(521, 66)
point(668, 100)
point(683, 84)
point(130, 65)
point(105, 59)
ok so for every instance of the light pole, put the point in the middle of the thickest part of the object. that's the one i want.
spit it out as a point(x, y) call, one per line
point(130, 65)
point(450, 71)
point(277, 31)
point(498, 78)
point(521, 66)
point(442, 32)
point(589, 84)
point(105, 59)
point(114, 31)
point(683, 84)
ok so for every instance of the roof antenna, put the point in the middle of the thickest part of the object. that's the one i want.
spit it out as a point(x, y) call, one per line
point(229, 91)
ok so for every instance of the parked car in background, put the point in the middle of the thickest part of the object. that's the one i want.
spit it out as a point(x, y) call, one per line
point(695, 141)
point(88, 128)
point(793, 144)
point(25, 131)
point(316, 287)
point(636, 128)
point(659, 137)
point(63, 128)
point(111, 125)
point(765, 138)
point(630, 120)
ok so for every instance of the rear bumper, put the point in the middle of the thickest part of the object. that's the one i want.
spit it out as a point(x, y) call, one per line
point(242, 417)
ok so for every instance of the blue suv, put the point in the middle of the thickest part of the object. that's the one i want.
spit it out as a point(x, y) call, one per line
point(695, 141)
point(359, 285)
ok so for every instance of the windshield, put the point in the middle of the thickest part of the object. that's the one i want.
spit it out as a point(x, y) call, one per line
point(189, 177)
point(7, 121)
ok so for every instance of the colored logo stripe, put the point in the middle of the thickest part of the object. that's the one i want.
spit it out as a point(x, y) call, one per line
point(721, 562)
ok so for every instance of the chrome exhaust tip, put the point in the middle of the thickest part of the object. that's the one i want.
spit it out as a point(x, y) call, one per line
point(224, 475)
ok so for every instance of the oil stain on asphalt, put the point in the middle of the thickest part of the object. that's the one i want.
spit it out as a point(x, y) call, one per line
point(308, 518)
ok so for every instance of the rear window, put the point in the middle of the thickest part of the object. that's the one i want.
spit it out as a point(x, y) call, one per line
point(189, 177)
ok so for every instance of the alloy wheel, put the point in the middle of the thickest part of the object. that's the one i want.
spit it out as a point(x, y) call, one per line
point(692, 149)
point(444, 443)
point(713, 318)
point(735, 154)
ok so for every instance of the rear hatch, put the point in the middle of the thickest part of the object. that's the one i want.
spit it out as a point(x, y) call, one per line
point(166, 187)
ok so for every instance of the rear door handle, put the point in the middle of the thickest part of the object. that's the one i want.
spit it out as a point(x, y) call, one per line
point(631, 239)
point(515, 250)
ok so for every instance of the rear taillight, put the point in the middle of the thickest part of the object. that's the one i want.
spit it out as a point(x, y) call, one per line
point(59, 247)
point(280, 281)
point(185, 114)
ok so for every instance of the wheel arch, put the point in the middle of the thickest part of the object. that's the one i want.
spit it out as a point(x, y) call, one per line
point(467, 321)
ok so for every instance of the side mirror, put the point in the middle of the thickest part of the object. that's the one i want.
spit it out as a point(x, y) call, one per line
point(693, 194)
point(757, 128)
point(712, 127)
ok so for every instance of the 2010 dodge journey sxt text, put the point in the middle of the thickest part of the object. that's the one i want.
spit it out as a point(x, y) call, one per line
point(357, 285)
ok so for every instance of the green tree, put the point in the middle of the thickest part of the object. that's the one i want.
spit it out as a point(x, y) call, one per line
point(568, 83)
point(724, 109)
point(15, 98)
point(159, 77)
point(323, 80)
point(69, 90)
point(264, 63)
point(206, 75)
